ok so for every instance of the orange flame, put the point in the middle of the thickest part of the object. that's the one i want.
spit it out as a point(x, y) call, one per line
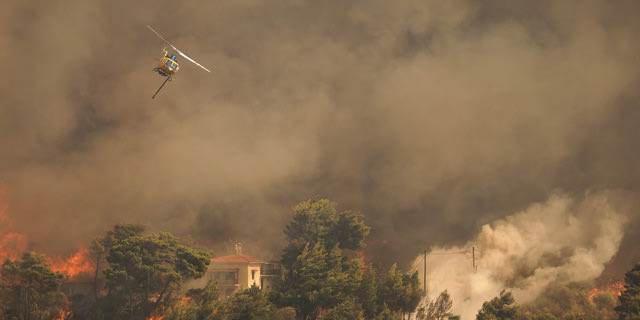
point(65, 312)
point(76, 264)
point(13, 244)
point(615, 289)
point(63, 315)
point(184, 301)
point(159, 316)
point(362, 255)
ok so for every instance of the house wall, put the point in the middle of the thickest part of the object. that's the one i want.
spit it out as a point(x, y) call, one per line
point(245, 269)
point(271, 274)
point(245, 277)
point(262, 274)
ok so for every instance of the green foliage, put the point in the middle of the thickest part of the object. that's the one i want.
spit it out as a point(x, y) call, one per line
point(544, 316)
point(499, 308)
point(437, 310)
point(400, 292)
point(99, 249)
point(441, 308)
point(286, 313)
point(29, 289)
point(250, 304)
point(368, 293)
point(120, 233)
point(198, 304)
point(412, 293)
point(605, 301)
point(629, 307)
point(386, 314)
point(145, 270)
point(320, 280)
point(317, 221)
point(570, 301)
point(348, 309)
point(318, 275)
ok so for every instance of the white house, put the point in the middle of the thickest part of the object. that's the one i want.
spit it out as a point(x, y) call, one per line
point(239, 271)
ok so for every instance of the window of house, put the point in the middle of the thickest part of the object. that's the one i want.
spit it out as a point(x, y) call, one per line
point(253, 274)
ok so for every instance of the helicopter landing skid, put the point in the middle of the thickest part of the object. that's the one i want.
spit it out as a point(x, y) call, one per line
point(163, 73)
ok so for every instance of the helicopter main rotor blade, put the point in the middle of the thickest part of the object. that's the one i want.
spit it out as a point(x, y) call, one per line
point(178, 51)
point(185, 56)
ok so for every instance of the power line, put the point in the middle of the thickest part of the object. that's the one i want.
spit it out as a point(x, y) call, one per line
point(445, 253)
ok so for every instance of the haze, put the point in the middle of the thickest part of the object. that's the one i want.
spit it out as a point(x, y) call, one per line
point(430, 118)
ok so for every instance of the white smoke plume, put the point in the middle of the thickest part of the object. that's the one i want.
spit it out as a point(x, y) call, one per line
point(561, 240)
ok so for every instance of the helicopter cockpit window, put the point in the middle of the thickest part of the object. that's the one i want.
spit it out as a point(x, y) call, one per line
point(170, 64)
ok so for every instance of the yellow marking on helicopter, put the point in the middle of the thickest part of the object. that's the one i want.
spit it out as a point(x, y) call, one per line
point(167, 65)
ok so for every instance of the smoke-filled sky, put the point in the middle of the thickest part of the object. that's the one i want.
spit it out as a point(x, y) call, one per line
point(431, 118)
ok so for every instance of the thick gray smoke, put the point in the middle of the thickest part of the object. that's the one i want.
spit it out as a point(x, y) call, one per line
point(431, 118)
point(559, 241)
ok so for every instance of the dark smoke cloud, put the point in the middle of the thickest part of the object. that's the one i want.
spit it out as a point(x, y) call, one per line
point(431, 118)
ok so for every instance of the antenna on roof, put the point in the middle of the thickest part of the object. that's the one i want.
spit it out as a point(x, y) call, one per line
point(238, 247)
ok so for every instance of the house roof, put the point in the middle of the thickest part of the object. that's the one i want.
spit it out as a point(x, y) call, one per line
point(238, 258)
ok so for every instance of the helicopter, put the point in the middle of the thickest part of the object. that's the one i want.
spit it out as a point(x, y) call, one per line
point(168, 65)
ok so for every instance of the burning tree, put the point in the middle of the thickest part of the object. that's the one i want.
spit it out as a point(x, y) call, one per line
point(29, 289)
point(198, 304)
point(574, 300)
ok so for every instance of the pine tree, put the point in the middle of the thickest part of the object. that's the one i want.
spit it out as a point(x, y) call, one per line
point(629, 307)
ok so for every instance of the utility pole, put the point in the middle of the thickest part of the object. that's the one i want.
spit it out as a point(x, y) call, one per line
point(425, 273)
point(473, 250)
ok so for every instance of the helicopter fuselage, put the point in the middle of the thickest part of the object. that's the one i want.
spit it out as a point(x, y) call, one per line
point(167, 66)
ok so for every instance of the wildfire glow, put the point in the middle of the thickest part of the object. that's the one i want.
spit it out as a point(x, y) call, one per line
point(185, 301)
point(615, 289)
point(13, 244)
point(65, 312)
point(157, 316)
point(76, 264)
point(366, 258)
point(63, 315)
